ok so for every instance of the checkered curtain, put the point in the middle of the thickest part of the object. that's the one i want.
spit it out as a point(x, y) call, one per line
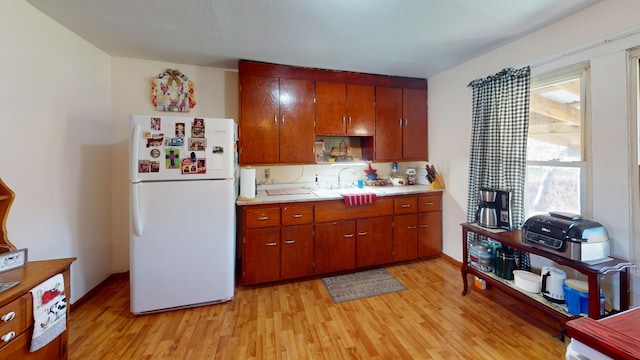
point(500, 123)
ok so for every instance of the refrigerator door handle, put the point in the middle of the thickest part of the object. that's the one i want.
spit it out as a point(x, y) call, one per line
point(135, 210)
point(133, 152)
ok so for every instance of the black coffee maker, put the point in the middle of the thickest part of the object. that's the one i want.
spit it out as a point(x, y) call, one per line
point(494, 209)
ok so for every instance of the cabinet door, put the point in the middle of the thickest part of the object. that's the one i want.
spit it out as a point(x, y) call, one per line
point(429, 233)
point(259, 125)
point(405, 237)
point(360, 110)
point(374, 244)
point(297, 251)
point(331, 108)
point(414, 137)
point(261, 255)
point(297, 110)
point(389, 124)
point(335, 246)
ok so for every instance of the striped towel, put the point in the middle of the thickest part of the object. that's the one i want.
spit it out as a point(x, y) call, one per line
point(49, 311)
point(359, 199)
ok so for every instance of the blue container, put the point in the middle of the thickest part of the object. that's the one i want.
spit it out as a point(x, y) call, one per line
point(578, 301)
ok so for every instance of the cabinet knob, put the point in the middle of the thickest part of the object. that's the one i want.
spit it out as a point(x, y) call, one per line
point(8, 316)
point(8, 336)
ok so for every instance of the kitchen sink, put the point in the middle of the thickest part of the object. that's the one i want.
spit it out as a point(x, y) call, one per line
point(340, 192)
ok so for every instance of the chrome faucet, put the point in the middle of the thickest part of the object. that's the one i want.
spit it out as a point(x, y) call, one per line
point(340, 174)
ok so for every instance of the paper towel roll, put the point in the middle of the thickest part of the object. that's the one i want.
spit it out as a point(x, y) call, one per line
point(247, 183)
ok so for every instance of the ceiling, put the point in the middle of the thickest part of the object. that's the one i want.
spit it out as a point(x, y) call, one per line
point(413, 38)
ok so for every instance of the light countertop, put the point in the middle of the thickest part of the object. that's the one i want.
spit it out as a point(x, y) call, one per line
point(325, 194)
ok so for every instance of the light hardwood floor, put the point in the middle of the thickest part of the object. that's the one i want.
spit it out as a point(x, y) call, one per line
point(298, 320)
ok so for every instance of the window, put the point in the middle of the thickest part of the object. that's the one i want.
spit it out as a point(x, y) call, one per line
point(556, 164)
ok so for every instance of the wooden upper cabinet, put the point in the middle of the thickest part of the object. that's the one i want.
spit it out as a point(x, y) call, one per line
point(297, 110)
point(345, 109)
point(276, 120)
point(259, 126)
point(389, 124)
point(414, 132)
point(401, 124)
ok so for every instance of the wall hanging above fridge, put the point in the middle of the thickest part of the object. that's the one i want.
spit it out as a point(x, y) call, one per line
point(172, 91)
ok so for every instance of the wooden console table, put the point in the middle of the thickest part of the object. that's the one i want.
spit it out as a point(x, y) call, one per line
point(514, 239)
point(16, 311)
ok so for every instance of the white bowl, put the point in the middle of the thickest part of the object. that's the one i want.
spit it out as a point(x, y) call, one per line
point(527, 281)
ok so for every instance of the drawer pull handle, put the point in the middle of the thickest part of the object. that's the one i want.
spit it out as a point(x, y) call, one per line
point(289, 241)
point(297, 216)
point(8, 336)
point(271, 243)
point(412, 227)
point(263, 218)
point(424, 225)
point(406, 205)
point(429, 203)
point(362, 233)
point(348, 235)
point(8, 316)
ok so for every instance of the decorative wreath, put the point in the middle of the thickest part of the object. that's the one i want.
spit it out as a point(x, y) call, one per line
point(172, 91)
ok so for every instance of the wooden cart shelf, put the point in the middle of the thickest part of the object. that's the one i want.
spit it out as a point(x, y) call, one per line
point(594, 273)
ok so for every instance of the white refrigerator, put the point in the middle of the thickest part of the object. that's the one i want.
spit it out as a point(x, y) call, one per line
point(183, 185)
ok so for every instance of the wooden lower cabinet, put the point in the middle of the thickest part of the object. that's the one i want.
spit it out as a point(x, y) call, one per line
point(261, 255)
point(335, 246)
point(296, 240)
point(405, 237)
point(374, 241)
point(429, 234)
point(297, 252)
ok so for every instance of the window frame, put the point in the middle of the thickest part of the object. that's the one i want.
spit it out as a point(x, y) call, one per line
point(582, 71)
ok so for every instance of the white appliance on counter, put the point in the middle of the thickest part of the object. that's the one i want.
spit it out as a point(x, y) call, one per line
point(183, 185)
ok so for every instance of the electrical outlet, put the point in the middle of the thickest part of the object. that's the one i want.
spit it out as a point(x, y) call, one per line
point(267, 173)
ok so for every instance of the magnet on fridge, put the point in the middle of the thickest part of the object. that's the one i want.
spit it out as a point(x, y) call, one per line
point(155, 153)
point(155, 123)
point(180, 130)
point(218, 150)
point(193, 156)
point(172, 157)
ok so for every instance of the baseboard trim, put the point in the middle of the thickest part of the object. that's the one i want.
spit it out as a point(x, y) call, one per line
point(96, 289)
point(451, 260)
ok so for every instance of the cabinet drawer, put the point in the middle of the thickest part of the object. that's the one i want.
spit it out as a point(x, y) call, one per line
point(263, 217)
point(405, 205)
point(431, 202)
point(334, 210)
point(13, 317)
point(296, 215)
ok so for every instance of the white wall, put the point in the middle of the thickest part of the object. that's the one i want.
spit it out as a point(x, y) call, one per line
point(609, 140)
point(216, 95)
point(55, 131)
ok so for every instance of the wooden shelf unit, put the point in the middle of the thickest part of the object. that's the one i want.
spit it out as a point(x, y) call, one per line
point(594, 273)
